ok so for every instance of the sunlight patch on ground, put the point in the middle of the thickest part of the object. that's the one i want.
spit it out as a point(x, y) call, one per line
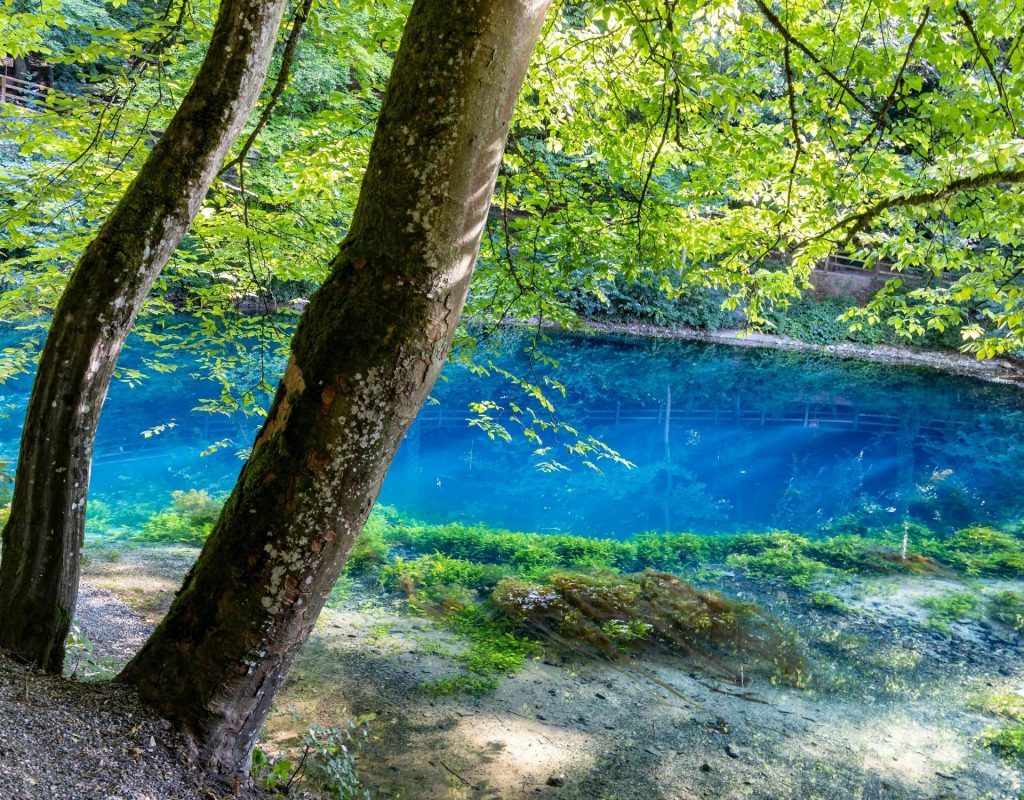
point(514, 752)
point(907, 751)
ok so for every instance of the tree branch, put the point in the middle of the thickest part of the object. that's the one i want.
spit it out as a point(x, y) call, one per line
point(287, 58)
point(880, 120)
point(862, 219)
point(969, 23)
point(783, 31)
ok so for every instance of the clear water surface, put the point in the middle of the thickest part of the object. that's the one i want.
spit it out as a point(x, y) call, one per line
point(723, 439)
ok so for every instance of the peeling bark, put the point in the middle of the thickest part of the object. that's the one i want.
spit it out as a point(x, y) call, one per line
point(43, 538)
point(365, 355)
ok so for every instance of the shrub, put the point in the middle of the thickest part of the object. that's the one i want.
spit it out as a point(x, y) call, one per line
point(623, 300)
point(811, 320)
point(331, 762)
point(1009, 705)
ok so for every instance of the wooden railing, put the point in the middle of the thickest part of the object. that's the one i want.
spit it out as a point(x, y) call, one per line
point(15, 90)
point(842, 262)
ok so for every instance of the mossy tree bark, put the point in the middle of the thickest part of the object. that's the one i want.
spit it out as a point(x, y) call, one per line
point(43, 537)
point(365, 355)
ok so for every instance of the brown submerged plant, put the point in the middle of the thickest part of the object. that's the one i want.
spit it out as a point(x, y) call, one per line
point(614, 615)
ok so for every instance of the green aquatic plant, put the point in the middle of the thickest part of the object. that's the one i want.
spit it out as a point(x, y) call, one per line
point(527, 551)
point(1008, 705)
point(781, 559)
point(828, 601)
point(370, 550)
point(982, 551)
point(881, 553)
point(1008, 608)
point(189, 519)
point(1007, 742)
point(440, 579)
point(472, 685)
point(945, 608)
point(495, 649)
point(451, 589)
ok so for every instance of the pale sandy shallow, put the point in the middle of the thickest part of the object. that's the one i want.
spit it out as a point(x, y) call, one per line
point(888, 714)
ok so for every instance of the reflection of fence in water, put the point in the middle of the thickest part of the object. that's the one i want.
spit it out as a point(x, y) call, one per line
point(200, 433)
point(806, 415)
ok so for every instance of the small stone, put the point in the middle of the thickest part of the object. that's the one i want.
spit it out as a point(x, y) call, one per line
point(556, 780)
point(731, 751)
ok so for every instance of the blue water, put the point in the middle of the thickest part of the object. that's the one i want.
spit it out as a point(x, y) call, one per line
point(722, 439)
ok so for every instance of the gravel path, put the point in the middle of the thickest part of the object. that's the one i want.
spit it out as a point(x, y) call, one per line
point(64, 739)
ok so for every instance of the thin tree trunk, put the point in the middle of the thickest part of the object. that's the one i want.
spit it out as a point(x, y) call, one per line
point(365, 355)
point(43, 538)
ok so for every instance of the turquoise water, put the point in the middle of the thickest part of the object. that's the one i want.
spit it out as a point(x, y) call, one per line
point(722, 439)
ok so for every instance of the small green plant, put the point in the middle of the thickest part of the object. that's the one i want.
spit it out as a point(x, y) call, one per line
point(275, 774)
point(943, 609)
point(330, 755)
point(828, 601)
point(81, 662)
point(1002, 704)
point(1008, 608)
point(1007, 742)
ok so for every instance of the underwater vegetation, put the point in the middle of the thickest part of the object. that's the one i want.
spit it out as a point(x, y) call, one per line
point(189, 520)
point(508, 594)
point(478, 556)
point(1008, 707)
point(1008, 608)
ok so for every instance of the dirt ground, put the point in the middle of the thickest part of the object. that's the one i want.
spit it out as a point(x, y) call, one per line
point(886, 710)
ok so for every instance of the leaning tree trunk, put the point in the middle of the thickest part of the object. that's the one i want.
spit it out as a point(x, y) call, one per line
point(364, 356)
point(43, 538)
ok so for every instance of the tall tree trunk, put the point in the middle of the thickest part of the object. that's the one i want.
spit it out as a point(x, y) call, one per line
point(365, 355)
point(43, 538)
